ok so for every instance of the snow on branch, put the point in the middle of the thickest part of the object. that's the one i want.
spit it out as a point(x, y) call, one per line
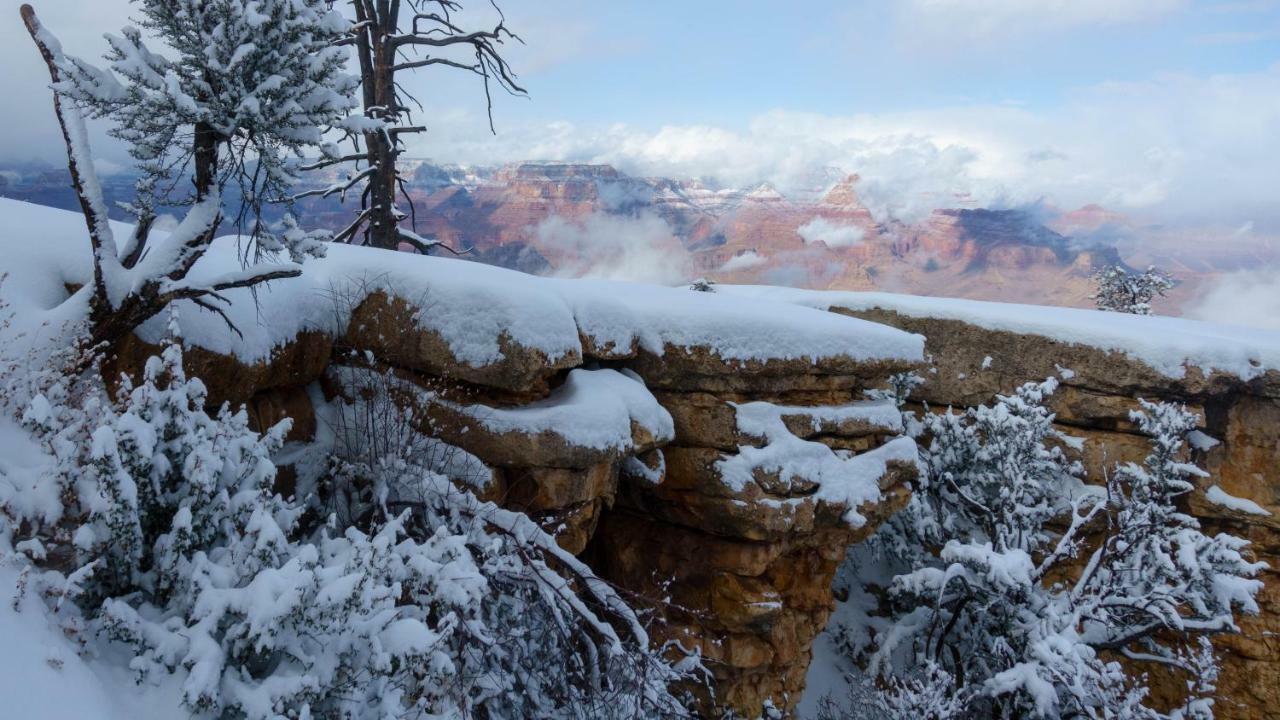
point(84, 178)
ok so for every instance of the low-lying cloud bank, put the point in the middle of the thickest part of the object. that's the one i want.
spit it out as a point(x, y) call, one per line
point(743, 261)
point(1243, 298)
point(636, 248)
point(833, 234)
point(1160, 147)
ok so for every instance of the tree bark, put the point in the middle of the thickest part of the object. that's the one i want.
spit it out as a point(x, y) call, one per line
point(376, 56)
point(205, 156)
point(382, 48)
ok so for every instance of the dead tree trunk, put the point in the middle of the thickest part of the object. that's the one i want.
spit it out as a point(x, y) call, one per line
point(383, 49)
point(385, 218)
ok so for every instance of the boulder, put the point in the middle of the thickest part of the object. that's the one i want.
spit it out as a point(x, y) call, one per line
point(705, 420)
point(702, 369)
point(295, 363)
point(269, 407)
point(747, 566)
point(752, 608)
point(960, 350)
point(388, 327)
point(594, 417)
point(540, 489)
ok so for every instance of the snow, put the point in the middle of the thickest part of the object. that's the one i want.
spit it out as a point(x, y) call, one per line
point(1218, 496)
point(22, 463)
point(842, 478)
point(592, 409)
point(1168, 345)
point(42, 676)
point(735, 328)
point(757, 418)
point(1201, 441)
point(471, 306)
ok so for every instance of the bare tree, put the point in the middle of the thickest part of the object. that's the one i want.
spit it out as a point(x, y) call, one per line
point(389, 37)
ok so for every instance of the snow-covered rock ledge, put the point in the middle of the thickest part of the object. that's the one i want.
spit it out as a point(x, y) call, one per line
point(1189, 351)
point(585, 404)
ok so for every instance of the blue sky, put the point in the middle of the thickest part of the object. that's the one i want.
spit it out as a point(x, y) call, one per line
point(1166, 109)
point(721, 62)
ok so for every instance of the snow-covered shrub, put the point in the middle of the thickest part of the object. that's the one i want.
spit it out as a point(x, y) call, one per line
point(924, 693)
point(994, 472)
point(1122, 291)
point(929, 694)
point(901, 385)
point(1023, 585)
point(545, 637)
point(161, 522)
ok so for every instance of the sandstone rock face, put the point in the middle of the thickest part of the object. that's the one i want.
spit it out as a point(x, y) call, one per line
point(747, 565)
point(296, 363)
point(1094, 403)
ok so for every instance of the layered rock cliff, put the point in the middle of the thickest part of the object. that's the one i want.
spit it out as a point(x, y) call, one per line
point(711, 453)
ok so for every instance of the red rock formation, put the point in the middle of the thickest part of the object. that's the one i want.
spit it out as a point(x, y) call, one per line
point(977, 253)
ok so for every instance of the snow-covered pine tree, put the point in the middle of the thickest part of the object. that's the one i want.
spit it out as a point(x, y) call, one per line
point(157, 526)
point(1122, 291)
point(990, 593)
point(250, 84)
point(236, 88)
point(1155, 570)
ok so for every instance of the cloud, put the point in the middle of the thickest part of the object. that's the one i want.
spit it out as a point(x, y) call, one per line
point(1159, 147)
point(30, 130)
point(1244, 6)
point(743, 261)
point(957, 22)
point(810, 267)
point(1242, 298)
point(639, 248)
point(1241, 37)
point(834, 235)
point(106, 167)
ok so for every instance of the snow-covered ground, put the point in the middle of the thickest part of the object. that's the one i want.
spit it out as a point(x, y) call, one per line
point(1167, 344)
point(44, 677)
point(474, 307)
